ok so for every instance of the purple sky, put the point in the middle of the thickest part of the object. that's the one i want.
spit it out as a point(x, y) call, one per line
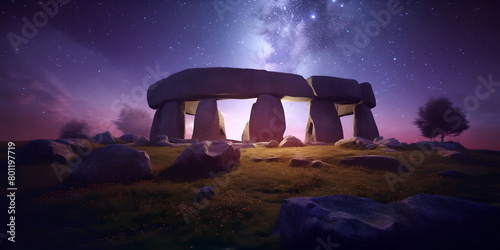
point(89, 59)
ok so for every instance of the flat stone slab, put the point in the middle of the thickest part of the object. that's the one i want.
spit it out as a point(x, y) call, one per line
point(423, 221)
point(374, 162)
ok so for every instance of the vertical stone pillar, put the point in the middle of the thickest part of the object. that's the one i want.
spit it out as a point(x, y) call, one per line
point(364, 123)
point(245, 136)
point(324, 123)
point(267, 119)
point(169, 120)
point(208, 121)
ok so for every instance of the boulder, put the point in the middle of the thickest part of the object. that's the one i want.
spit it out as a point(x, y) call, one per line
point(161, 141)
point(420, 222)
point(356, 143)
point(291, 141)
point(223, 83)
point(267, 119)
point(104, 138)
point(299, 162)
point(374, 162)
point(203, 160)
point(78, 146)
point(324, 123)
point(364, 123)
point(170, 120)
point(44, 152)
point(204, 193)
point(391, 142)
point(208, 121)
point(272, 144)
point(112, 164)
point(319, 164)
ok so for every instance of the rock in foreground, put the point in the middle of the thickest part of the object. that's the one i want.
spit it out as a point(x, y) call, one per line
point(45, 152)
point(111, 164)
point(420, 222)
point(291, 141)
point(203, 160)
point(355, 143)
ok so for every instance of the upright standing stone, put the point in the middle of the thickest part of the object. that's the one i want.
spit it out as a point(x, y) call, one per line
point(267, 119)
point(364, 123)
point(208, 121)
point(245, 136)
point(324, 123)
point(169, 120)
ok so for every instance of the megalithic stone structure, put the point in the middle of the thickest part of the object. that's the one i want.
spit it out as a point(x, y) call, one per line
point(208, 121)
point(364, 123)
point(169, 120)
point(196, 91)
point(324, 123)
point(267, 119)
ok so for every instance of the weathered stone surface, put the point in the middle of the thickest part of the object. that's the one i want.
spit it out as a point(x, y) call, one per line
point(272, 144)
point(335, 89)
point(111, 164)
point(364, 123)
point(367, 96)
point(78, 146)
point(204, 193)
point(299, 162)
point(319, 164)
point(344, 109)
point(291, 141)
point(223, 83)
point(104, 138)
point(44, 152)
point(161, 140)
point(267, 119)
point(204, 159)
point(420, 222)
point(243, 145)
point(169, 120)
point(324, 123)
point(391, 142)
point(208, 122)
point(245, 136)
point(375, 162)
point(356, 143)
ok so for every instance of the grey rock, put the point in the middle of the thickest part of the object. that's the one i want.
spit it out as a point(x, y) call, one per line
point(44, 152)
point(130, 138)
point(356, 143)
point(78, 146)
point(420, 222)
point(204, 193)
point(245, 136)
point(267, 119)
point(204, 159)
point(364, 123)
point(324, 123)
point(208, 121)
point(169, 120)
point(391, 142)
point(272, 144)
point(291, 141)
point(336, 89)
point(112, 164)
point(319, 164)
point(299, 162)
point(367, 96)
point(104, 138)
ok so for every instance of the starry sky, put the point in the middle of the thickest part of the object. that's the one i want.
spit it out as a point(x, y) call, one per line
point(93, 60)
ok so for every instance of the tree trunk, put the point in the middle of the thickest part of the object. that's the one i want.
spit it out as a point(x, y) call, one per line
point(442, 137)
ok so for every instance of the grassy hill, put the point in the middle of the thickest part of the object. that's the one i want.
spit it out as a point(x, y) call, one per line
point(243, 214)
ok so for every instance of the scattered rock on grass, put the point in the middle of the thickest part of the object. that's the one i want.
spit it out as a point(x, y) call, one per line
point(204, 193)
point(355, 143)
point(291, 141)
point(299, 162)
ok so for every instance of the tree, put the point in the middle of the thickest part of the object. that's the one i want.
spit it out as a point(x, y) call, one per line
point(75, 129)
point(134, 121)
point(439, 117)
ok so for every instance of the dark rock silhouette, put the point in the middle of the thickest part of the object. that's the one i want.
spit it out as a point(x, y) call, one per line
point(420, 222)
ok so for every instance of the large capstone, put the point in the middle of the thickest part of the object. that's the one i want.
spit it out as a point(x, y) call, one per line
point(267, 119)
point(169, 120)
point(208, 121)
point(324, 123)
point(364, 123)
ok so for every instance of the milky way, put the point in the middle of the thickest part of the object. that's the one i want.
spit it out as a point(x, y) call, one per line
point(88, 60)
